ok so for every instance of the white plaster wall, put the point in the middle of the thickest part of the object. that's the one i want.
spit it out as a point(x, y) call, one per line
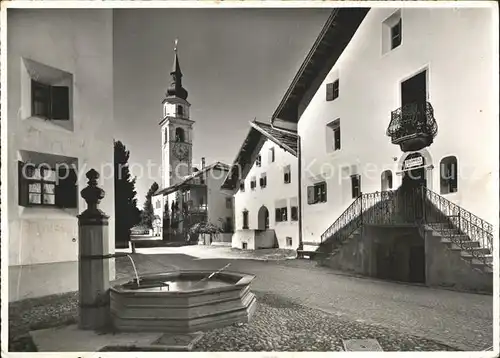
point(79, 42)
point(241, 236)
point(276, 189)
point(216, 198)
point(456, 45)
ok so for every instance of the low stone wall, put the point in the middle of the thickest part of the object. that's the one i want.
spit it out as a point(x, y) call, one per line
point(385, 252)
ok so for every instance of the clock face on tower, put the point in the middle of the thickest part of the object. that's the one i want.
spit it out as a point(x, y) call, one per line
point(181, 151)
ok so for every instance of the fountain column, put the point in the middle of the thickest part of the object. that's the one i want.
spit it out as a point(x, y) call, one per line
point(93, 268)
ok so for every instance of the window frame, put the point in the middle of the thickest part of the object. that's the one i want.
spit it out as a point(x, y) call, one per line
point(281, 214)
point(51, 101)
point(263, 180)
point(258, 161)
point(253, 183)
point(272, 154)
point(24, 186)
point(332, 90)
point(319, 196)
point(245, 220)
point(294, 213)
point(450, 184)
point(396, 39)
point(287, 171)
point(355, 193)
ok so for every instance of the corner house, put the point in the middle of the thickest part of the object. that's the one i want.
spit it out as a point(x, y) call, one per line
point(397, 115)
point(59, 116)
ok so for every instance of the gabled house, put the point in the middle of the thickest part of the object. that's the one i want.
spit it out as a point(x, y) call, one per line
point(60, 125)
point(399, 178)
point(264, 182)
point(196, 198)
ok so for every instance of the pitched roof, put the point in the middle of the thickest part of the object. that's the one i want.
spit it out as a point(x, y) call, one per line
point(337, 32)
point(187, 180)
point(257, 135)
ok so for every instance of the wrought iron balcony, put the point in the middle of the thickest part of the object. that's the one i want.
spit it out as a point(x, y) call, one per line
point(413, 126)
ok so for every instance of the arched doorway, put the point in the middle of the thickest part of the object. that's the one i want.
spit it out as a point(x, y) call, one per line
point(410, 198)
point(263, 218)
point(414, 173)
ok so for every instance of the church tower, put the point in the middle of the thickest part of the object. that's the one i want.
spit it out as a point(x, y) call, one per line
point(176, 129)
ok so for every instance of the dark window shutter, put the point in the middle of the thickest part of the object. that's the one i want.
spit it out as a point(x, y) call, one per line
point(285, 214)
point(329, 92)
point(23, 186)
point(337, 138)
point(310, 195)
point(277, 215)
point(66, 188)
point(60, 103)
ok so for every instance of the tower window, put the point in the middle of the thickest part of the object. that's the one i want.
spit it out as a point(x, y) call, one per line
point(449, 175)
point(179, 135)
point(180, 110)
point(166, 135)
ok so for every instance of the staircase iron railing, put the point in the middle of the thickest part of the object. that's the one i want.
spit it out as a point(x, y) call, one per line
point(418, 205)
point(453, 222)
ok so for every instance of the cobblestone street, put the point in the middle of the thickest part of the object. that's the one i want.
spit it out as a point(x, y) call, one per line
point(461, 320)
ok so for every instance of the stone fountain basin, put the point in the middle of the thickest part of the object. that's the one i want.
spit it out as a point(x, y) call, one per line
point(223, 300)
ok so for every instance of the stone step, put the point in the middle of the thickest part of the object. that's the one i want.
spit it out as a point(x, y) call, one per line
point(475, 261)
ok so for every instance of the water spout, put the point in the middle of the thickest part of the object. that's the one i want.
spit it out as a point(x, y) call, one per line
point(211, 275)
point(135, 270)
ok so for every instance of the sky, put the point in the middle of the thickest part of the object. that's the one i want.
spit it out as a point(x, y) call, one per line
point(236, 64)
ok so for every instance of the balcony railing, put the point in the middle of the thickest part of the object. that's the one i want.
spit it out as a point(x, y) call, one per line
point(413, 126)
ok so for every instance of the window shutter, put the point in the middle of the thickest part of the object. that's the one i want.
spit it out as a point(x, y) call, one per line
point(60, 103)
point(337, 138)
point(277, 215)
point(66, 188)
point(285, 214)
point(23, 186)
point(329, 92)
point(310, 195)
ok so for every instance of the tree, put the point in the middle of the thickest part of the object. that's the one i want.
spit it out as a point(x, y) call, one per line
point(203, 228)
point(148, 212)
point(126, 212)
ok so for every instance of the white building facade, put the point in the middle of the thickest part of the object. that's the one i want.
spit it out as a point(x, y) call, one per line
point(264, 181)
point(442, 57)
point(60, 125)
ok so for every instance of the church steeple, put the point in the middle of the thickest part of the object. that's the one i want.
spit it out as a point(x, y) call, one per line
point(175, 89)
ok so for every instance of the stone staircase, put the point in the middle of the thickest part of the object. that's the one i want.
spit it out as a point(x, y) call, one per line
point(460, 231)
point(471, 251)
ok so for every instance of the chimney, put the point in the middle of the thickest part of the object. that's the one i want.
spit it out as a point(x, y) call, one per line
point(203, 163)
